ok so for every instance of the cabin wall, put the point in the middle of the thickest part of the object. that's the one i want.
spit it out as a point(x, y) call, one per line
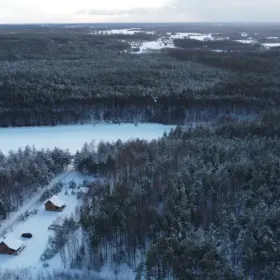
point(6, 250)
point(50, 207)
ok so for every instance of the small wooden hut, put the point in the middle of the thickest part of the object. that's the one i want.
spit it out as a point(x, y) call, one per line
point(11, 245)
point(55, 204)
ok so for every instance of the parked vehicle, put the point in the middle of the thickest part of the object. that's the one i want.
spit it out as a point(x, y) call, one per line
point(27, 235)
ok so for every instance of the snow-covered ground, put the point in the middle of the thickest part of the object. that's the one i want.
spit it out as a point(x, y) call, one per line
point(251, 41)
point(166, 41)
point(29, 204)
point(38, 225)
point(28, 261)
point(73, 137)
point(271, 45)
point(219, 51)
point(130, 31)
point(155, 45)
point(246, 41)
point(193, 36)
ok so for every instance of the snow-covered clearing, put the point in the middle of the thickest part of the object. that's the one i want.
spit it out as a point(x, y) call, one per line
point(193, 36)
point(73, 137)
point(38, 225)
point(219, 51)
point(130, 31)
point(29, 204)
point(271, 45)
point(247, 41)
point(267, 45)
point(155, 45)
point(168, 41)
point(28, 261)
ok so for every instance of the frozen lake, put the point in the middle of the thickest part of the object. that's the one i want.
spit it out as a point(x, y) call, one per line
point(73, 137)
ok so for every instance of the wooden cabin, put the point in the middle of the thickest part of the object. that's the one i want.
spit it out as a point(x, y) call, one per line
point(11, 245)
point(55, 204)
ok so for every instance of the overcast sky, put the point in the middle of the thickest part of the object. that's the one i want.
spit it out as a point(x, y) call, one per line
point(68, 11)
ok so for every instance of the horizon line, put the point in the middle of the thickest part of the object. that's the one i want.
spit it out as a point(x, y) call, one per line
point(144, 22)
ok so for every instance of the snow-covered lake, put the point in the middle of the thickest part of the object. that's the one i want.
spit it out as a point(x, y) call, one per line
point(73, 137)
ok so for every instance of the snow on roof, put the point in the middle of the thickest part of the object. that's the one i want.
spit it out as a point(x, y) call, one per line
point(12, 242)
point(84, 190)
point(55, 200)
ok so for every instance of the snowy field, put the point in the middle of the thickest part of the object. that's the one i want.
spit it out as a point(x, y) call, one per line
point(73, 137)
point(38, 225)
point(271, 45)
point(246, 41)
point(167, 41)
point(130, 31)
point(155, 45)
point(193, 36)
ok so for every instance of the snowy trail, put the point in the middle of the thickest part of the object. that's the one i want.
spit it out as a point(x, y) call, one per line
point(13, 219)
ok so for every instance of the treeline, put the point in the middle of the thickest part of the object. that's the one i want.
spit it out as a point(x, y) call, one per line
point(255, 75)
point(58, 78)
point(220, 45)
point(24, 172)
point(256, 63)
point(196, 204)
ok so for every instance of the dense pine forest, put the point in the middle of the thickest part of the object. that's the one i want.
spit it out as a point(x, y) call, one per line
point(50, 77)
point(26, 171)
point(198, 204)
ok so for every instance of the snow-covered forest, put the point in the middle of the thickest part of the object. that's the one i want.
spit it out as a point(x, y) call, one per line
point(196, 204)
point(25, 172)
point(166, 160)
point(54, 76)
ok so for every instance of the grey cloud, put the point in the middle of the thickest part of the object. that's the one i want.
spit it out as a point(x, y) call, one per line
point(121, 12)
point(228, 10)
point(201, 10)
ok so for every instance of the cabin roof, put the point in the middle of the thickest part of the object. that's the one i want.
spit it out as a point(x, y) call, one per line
point(55, 200)
point(84, 190)
point(12, 242)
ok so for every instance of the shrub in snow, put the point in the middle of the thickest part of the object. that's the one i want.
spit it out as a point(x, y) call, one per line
point(49, 253)
point(57, 187)
point(72, 185)
point(59, 239)
point(45, 195)
point(54, 190)
point(22, 218)
point(34, 211)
